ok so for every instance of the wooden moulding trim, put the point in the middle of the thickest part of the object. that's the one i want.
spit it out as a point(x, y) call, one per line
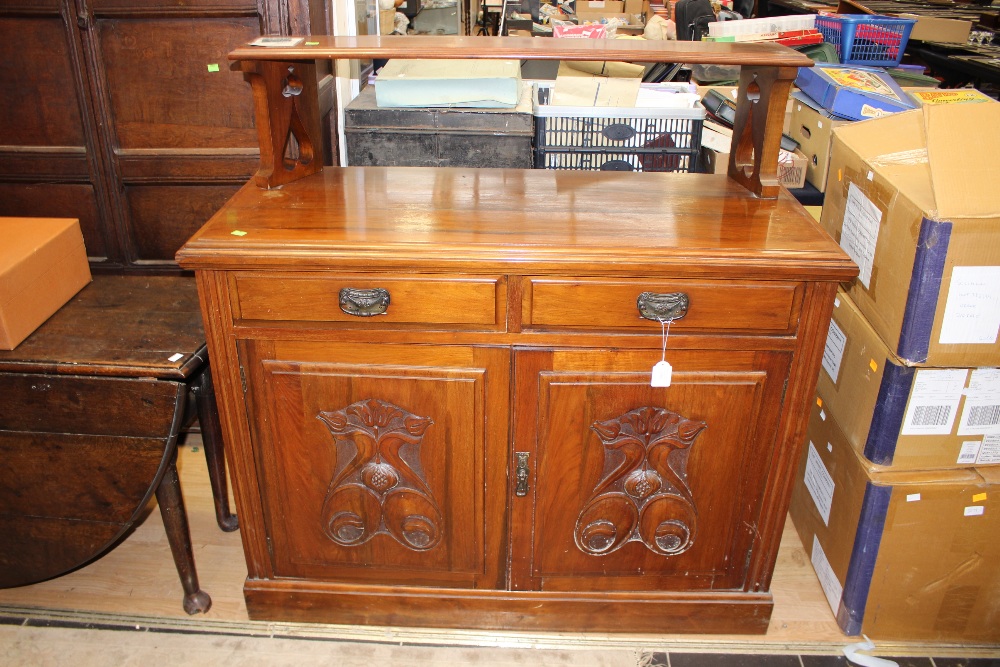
point(700, 612)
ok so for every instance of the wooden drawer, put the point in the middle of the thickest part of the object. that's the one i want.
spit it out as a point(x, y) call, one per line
point(724, 306)
point(452, 301)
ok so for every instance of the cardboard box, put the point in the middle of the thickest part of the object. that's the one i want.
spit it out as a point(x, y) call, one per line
point(898, 415)
point(714, 162)
point(936, 29)
point(813, 129)
point(900, 555)
point(449, 83)
point(853, 92)
point(913, 200)
point(43, 263)
point(792, 169)
point(593, 10)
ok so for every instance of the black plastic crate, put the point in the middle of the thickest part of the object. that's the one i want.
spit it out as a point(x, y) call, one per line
point(616, 138)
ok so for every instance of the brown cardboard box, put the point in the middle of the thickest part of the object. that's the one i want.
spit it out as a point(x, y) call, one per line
point(900, 555)
point(43, 263)
point(591, 10)
point(903, 416)
point(936, 29)
point(792, 169)
point(814, 132)
point(714, 162)
point(912, 197)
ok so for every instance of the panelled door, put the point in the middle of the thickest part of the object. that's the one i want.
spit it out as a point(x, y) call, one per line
point(625, 486)
point(382, 463)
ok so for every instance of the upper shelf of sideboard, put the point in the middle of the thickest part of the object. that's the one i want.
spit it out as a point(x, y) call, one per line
point(527, 48)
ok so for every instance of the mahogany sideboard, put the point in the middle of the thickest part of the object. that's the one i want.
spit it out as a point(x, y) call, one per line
point(435, 384)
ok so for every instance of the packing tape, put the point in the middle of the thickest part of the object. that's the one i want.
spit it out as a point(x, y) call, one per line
point(916, 156)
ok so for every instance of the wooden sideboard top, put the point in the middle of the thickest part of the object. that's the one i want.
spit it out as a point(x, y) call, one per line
point(526, 48)
point(507, 220)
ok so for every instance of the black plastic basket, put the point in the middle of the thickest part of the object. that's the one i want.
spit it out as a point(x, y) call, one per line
point(616, 138)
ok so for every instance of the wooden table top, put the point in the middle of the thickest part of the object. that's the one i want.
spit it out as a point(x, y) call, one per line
point(517, 221)
point(120, 326)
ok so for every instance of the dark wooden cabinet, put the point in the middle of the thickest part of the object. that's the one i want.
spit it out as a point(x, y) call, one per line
point(127, 116)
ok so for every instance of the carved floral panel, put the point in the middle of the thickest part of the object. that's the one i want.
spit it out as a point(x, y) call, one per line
point(381, 490)
point(643, 494)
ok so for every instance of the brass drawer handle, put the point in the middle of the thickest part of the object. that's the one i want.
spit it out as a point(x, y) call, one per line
point(364, 302)
point(662, 307)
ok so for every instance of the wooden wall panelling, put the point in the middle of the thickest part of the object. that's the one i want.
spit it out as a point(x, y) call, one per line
point(50, 160)
point(129, 118)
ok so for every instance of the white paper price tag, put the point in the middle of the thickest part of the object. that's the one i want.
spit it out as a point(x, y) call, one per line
point(662, 373)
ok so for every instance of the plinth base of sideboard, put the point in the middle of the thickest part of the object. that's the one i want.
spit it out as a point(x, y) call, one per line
point(660, 613)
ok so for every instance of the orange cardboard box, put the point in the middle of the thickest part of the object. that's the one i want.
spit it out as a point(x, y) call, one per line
point(43, 263)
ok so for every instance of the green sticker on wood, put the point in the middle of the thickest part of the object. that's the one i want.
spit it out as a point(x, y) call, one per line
point(213, 67)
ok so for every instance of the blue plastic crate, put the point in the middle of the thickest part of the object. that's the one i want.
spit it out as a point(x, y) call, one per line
point(866, 39)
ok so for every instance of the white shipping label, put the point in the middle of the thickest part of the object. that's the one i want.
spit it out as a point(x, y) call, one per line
point(827, 577)
point(860, 233)
point(974, 510)
point(934, 402)
point(981, 412)
point(819, 482)
point(833, 353)
point(969, 452)
point(990, 451)
point(972, 311)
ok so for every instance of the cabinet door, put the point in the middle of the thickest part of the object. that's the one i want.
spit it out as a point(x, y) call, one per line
point(631, 487)
point(381, 463)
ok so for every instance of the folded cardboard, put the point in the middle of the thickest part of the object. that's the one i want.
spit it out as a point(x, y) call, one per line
point(903, 416)
point(938, 29)
point(853, 92)
point(813, 129)
point(913, 200)
point(43, 263)
point(449, 83)
point(573, 91)
point(900, 555)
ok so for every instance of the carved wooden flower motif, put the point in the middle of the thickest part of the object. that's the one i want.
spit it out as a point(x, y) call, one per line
point(643, 495)
point(378, 491)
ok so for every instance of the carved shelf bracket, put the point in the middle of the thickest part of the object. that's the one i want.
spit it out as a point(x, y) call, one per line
point(643, 494)
point(760, 109)
point(286, 105)
point(381, 490)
